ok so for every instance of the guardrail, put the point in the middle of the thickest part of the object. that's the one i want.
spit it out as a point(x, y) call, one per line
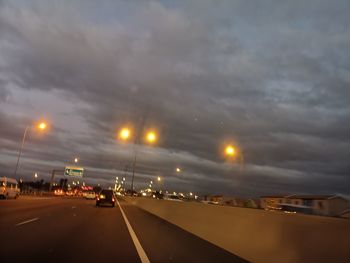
point(258, 235)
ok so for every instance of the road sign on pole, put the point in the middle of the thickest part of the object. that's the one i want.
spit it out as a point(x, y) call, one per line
point(74, 171)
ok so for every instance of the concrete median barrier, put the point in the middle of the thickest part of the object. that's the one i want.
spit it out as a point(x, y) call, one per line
point(258, 235)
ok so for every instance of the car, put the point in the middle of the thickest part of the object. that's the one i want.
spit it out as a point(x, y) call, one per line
point(158, 195)
point(293, 209)
point(90, 195)
point(9, 188)
point(106, 197)
point(59, 192)
point(172, 198)
point(69, 193)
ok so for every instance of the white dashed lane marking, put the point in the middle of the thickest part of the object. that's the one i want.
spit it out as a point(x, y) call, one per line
point(27, 221)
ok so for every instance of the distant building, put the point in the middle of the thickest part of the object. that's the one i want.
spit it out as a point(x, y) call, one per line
point(216, 199)
point(271, 201)
point(233, 201)
point(329, 205)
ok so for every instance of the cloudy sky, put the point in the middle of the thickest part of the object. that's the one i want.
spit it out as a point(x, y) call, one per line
point(270, 77)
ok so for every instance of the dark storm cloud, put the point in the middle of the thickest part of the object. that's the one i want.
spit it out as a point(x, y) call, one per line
point(272, 77)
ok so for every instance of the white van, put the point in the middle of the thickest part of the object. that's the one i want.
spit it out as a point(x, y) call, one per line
point(8, 188)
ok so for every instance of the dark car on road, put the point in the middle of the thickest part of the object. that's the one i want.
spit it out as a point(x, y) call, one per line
point(106, 197)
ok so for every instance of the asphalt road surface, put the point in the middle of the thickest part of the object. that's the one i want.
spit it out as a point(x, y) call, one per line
point(59, 229)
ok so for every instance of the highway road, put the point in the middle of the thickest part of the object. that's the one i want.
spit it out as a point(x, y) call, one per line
point(61, 229)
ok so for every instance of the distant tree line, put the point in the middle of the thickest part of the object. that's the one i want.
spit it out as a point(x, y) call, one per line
point(41, 185)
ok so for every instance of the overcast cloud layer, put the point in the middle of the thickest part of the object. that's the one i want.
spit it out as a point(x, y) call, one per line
point(271, 77)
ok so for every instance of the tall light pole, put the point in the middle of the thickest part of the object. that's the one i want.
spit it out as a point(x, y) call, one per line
point(116, 183)
point(159, 181)
point(41, 126)
point(150, 137)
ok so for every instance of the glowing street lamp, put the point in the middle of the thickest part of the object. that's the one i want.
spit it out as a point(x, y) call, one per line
point(159, 179)
point(232, 153)
point(178, 170)
point(40, 126)
point(230, 150)
point(124, 134)
point(151, 137)
point(35, 175)
point(76, 160)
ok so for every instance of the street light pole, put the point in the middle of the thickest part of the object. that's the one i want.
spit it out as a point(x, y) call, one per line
point(133, 172)
point(20, 149)
point(137, 141)
point(41, 126)
point(116, 183)
point(151, 138)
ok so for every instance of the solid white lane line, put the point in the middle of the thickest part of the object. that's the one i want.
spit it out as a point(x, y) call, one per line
point(27, 221)
point(140, 251)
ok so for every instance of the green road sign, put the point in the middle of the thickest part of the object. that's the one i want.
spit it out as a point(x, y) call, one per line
point(74, 171)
